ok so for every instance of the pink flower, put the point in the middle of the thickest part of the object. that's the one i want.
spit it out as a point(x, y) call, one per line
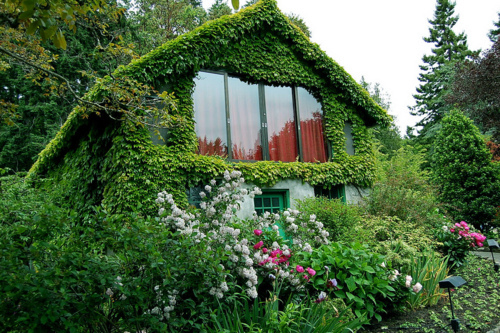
point(257, 232)
point(480, 244)
point(417, 287)
point(452, 229)
point(306, 277)
point(299, 269)
point(311, 271)
point(264, 250)
point(258, 245)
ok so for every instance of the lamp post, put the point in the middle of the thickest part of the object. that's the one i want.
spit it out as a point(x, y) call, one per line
point(453, 282)
point(493, 244)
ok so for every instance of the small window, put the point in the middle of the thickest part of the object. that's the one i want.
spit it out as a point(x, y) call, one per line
point(349, 141)
point(272, 202)
point(336, 192)
point(193, 196)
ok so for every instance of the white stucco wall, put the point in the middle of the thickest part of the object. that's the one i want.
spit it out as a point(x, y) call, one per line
point(355, 194)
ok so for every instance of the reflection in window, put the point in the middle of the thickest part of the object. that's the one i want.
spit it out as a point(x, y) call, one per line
point(281, 124)
point(311, 128)
point(256, 122)
point(210, 114)
point(245, 120)
point(349, 141)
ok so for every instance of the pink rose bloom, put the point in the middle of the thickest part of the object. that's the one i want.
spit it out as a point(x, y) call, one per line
point(417, 287)
point(258, 245)
point(275, 253)
point(299, 269)
point(264, 250)
point(452, 229)
point(480, 244)
point(463, 223)
point(306, 277)
point(311, 271)
point(257, 232)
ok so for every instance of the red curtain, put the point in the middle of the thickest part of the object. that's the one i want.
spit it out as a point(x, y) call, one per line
point(311, 128)
point(281, 126)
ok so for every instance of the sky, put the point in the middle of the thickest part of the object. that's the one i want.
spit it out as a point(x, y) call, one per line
point(383, 40)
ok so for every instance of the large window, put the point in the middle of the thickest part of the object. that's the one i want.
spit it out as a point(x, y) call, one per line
point(255, 122)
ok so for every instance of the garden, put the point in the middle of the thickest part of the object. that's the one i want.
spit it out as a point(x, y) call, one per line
point(325, 266)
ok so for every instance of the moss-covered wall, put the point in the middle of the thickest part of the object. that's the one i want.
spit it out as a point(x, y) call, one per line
point(117, 164)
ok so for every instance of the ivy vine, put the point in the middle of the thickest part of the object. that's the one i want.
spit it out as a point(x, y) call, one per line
point(100, 161)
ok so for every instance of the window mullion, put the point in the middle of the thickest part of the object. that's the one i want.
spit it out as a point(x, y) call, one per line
point(297, 121)
point(263, 123)
point(228, 118)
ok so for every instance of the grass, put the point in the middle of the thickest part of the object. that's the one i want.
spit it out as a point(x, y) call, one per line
point(476, 305)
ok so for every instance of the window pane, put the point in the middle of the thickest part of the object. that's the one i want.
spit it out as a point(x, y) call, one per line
point(267, 202)
point(245, 120)
point(210, 114)
point(349, 141)
point(311, 128)
point(281, 124)
point(258, 202)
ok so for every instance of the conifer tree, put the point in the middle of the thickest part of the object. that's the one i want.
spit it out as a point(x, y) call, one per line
point(448, 49)
point(469, 183)
point(495, 32)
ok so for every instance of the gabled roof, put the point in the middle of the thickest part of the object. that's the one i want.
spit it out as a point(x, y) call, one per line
point(201, 49)
point(196, 49)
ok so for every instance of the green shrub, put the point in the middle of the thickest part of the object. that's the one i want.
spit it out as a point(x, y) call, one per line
point(469, 183)
point(360, 276)
point(336, 216)
point(403, 189)
point(397, 240)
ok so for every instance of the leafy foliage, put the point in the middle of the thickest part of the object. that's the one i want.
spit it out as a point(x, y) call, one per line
point(267, 317)
point(476, 89)
point(361, 280)
point(268, 49)
point(337, 217)
point(403, 189)
point(469, 184)
point(399, 241)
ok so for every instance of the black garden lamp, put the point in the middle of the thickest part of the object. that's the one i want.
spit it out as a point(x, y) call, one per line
point(493, 244)
point(453, 282)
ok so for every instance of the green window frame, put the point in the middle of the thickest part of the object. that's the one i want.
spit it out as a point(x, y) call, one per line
point(336, 192)
point(271, 201)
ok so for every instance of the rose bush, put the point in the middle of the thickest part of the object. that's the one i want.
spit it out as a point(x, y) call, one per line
point(456, 240)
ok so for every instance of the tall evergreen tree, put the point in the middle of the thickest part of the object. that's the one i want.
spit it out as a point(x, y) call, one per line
point(448, 49)
point(495, 32)
point(468, 181)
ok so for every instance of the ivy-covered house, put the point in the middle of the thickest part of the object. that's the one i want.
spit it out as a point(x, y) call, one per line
point(254, 94)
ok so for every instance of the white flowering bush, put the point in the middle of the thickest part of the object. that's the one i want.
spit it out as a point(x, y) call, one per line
point(238, 255)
